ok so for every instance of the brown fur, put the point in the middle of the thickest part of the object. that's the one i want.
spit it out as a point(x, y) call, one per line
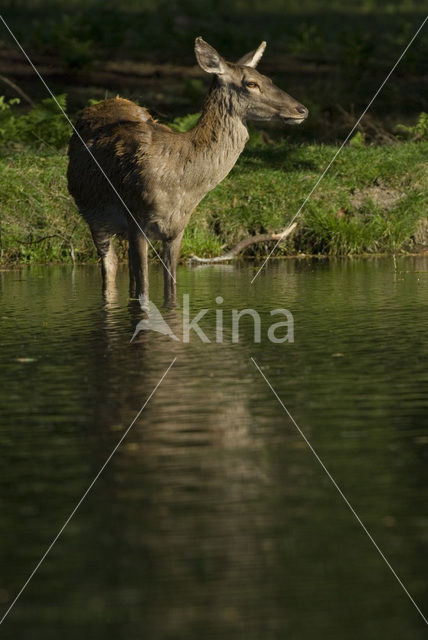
point(161, 175)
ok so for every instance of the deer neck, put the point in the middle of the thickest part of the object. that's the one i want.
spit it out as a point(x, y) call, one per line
point(220, 134)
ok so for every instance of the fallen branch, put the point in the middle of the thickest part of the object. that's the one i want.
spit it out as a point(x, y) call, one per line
point(247, 242)
point(18, 90)
point(369, 126)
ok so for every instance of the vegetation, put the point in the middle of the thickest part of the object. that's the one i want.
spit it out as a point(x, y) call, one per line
point(330, 55)
point(372, 199)
point(43, 125)
point(419, 131)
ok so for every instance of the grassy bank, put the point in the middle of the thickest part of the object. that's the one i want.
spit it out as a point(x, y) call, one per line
point(373, 199)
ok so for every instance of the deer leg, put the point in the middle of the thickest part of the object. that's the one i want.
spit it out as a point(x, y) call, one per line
point(170, 255)
point(131, 270)
point(138, 264)
point(104, 245)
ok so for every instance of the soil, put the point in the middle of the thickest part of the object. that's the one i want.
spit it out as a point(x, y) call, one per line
point(382, 196)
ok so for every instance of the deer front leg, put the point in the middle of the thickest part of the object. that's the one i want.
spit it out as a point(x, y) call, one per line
point(138, 264)
point(170, 255)
point(106, 252)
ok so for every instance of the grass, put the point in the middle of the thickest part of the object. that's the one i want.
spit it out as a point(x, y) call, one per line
point(373, 199)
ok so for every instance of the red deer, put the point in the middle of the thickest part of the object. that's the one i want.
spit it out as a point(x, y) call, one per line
point(135, 176)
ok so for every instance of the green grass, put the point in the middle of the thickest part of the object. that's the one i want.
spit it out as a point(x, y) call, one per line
point(38, 220)
point(371, 200)
point(269, 185)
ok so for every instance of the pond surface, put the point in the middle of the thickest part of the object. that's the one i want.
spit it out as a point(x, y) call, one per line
point(213, 519)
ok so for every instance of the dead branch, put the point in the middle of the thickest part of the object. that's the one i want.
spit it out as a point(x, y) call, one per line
point(18, 90)
point(369, 126)
point(247, 242)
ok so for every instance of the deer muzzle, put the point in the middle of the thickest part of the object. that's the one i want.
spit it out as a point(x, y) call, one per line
point(296, 115)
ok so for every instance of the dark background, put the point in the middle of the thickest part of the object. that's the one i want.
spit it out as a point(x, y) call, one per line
point(330, 55)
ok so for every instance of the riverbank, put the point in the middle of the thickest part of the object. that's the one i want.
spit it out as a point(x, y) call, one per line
point(373, 199)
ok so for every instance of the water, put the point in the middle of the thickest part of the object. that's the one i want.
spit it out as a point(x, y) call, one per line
point(214, 519)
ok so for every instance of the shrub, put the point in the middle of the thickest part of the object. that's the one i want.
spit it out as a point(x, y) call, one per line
point(419, 131)
point(44, 124)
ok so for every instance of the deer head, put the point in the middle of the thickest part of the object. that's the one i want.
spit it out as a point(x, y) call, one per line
point(253, 95)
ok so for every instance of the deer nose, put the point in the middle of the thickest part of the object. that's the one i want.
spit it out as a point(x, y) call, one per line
point(302, 110)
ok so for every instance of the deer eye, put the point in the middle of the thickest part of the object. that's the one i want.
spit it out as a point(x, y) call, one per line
point(252, 85)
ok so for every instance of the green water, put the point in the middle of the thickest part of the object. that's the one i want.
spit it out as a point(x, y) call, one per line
point(214, 519)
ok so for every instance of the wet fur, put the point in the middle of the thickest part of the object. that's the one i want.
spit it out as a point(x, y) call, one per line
point(160, 174)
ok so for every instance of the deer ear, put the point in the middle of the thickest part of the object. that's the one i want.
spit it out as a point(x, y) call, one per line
point(253, 58)
point(208, 58)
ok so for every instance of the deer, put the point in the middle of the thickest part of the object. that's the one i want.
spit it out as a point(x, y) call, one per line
point(132, 176)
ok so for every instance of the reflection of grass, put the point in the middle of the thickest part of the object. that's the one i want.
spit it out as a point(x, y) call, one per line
point(371, 200)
